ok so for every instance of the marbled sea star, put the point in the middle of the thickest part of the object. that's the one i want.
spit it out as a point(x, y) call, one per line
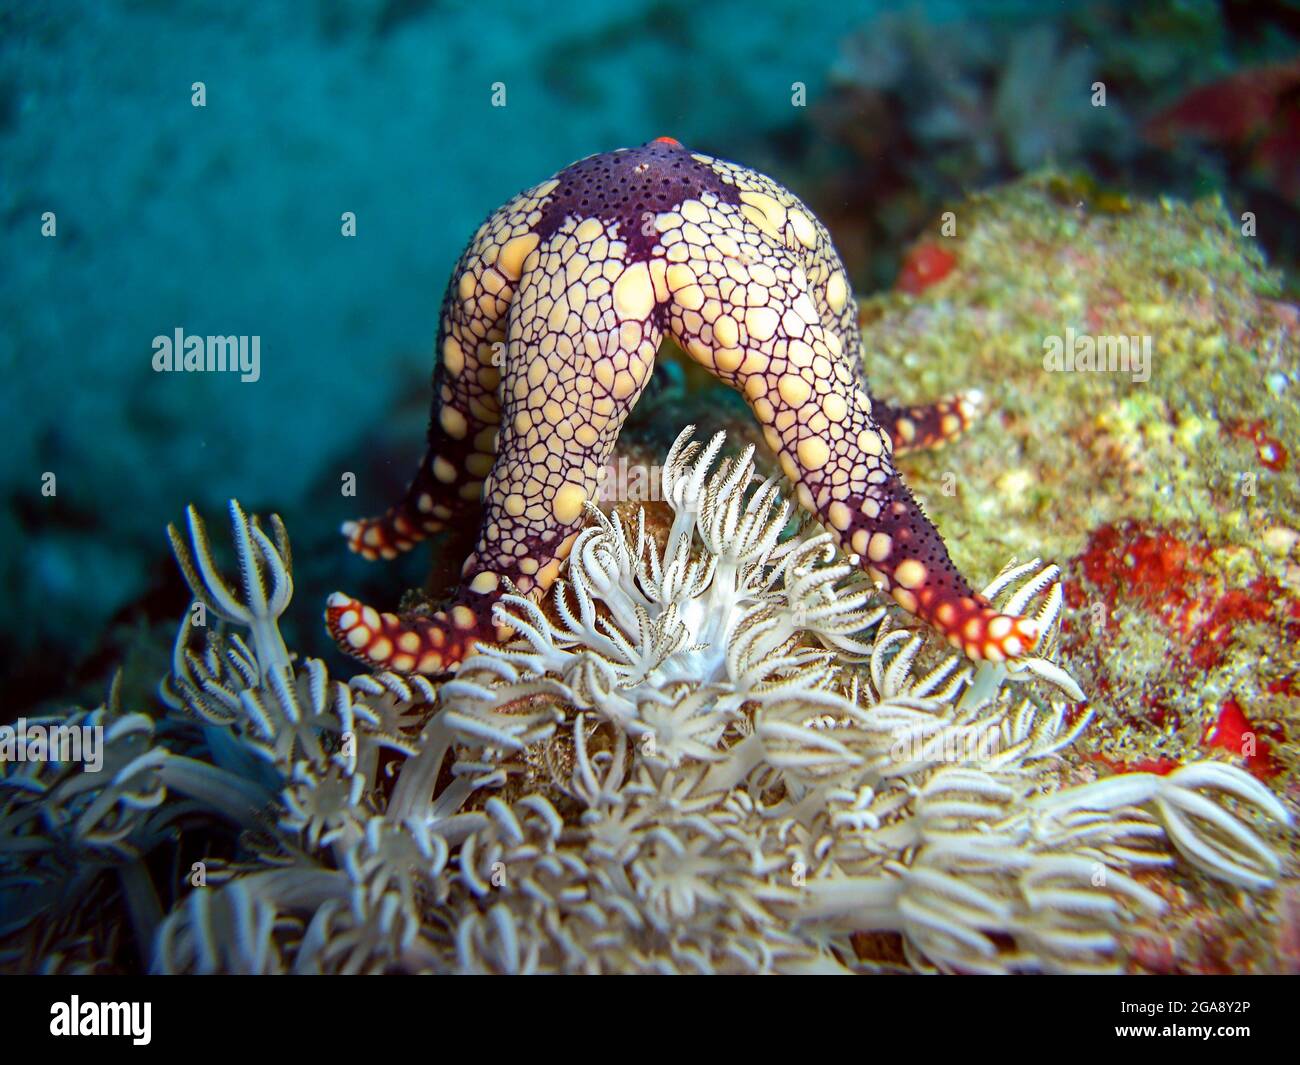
point(549, 331)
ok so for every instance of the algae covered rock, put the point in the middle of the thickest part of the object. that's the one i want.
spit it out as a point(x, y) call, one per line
point(1144, 420)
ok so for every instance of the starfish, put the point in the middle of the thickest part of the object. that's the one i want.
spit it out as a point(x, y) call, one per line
point(549, 331)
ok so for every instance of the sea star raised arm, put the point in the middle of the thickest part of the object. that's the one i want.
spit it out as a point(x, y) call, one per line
point(549, 331)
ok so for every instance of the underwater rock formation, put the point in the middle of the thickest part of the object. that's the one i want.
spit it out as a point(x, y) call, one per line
point(1171, 501)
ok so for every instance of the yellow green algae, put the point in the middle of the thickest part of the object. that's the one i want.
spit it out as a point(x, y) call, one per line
point(1172, 504)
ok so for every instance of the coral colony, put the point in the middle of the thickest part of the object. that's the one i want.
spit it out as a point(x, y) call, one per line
point(685, 736)
point(707, 751)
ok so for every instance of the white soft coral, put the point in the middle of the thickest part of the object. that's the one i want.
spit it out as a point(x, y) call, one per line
point(669, 644)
